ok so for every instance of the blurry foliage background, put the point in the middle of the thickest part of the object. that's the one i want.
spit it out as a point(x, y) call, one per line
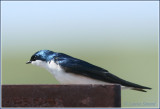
point(121, 37)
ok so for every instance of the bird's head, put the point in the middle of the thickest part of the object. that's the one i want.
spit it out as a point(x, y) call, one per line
point(41, 57)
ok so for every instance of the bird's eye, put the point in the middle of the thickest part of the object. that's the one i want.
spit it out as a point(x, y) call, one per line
point(33, 58)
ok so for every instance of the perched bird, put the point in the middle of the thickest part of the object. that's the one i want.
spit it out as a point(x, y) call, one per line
point(69, 70)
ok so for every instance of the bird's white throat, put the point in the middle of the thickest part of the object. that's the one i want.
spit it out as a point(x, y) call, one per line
point(50, 66)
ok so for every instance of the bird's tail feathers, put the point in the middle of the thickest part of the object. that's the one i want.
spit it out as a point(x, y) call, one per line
point(138, 89)
point(133, 86)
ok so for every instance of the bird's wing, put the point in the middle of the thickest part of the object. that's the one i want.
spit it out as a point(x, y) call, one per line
point(77, 66)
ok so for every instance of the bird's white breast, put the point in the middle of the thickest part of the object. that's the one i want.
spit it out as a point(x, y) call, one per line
point(66, 77)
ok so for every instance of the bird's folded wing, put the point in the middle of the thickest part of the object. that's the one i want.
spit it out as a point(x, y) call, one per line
point(77, 66)
point(73, 65)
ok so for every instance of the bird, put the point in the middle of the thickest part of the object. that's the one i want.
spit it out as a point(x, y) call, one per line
point(69, 70)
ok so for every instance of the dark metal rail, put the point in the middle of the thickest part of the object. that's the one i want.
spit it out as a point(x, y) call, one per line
point(61, 96)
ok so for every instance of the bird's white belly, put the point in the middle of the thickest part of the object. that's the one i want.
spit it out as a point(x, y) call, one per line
point(70, 78)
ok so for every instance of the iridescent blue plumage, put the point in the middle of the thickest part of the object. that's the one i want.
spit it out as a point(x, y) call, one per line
point(44, 55)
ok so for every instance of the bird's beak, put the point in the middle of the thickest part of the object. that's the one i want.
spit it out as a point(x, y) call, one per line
point(28, 62)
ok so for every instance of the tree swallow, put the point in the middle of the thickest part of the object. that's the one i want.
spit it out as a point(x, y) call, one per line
point(69, 70)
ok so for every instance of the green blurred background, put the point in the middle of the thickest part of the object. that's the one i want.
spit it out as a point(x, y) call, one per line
point(121, 37)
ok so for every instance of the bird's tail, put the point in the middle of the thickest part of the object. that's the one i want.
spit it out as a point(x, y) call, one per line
point(138, 89)
point(125, 83)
